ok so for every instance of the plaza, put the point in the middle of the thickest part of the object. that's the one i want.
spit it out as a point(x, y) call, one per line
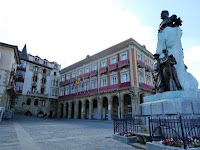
point(23, 132)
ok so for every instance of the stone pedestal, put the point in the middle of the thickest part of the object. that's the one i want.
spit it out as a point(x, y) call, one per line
point(172, 103)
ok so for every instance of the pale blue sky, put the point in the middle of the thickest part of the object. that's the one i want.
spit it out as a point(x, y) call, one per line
point(66, 31)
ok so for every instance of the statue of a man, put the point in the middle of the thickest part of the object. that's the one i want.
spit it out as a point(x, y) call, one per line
point(169, 75)
point(172, 21)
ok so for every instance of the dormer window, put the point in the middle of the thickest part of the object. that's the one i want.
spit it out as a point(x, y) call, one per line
point(36, 59)
point(36, 69)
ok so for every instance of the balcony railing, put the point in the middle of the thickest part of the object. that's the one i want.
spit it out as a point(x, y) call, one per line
point(148, 68)
point(140, 64)
point(93, 73)
point(86, 75)
point(72, 80)
point(123, 63)
point(67, 82)
point(146, 86)
point(22, 69)
point(114, 87)
point(62, 83)
point(103, 69)
point(112, 67)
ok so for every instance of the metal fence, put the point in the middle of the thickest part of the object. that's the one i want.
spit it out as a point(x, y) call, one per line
point(126, 125)
point(176, 131)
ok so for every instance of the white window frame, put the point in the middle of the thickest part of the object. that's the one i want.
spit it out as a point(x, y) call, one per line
point(68, 76)
point(73, 75)
point(104, 62)
point(94, 84)
point(87, 69)
point(139, 57)
point(124, 72)
point(67, 90)
point(113, 58)
point(123, 54)
point(63, 78)
point(94, 67)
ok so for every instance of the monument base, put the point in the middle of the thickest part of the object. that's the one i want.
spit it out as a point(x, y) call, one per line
point(172, 103)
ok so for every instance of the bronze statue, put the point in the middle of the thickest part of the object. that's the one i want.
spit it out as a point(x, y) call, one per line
point(165, 75)
point(172, 21)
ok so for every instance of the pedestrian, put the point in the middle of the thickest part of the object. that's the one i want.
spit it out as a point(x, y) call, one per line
point(45, 117)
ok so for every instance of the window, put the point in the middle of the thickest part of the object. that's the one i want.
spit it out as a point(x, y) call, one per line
point(79, 88)
point(66, 90)
point(43, 80)
point(19, 86)
point(57, 83)
point(56, 92)
point(28, 102)
point(124, 77)
point(44, 71)
point(113, 60)
point(33, 89)
point(141, 77)
point(54, 73)
point(94, 84)
point(148, 80)
point(42, 91)
point(37, 59)
point(36, 69)
point(123, 57)
point(146, 62)
point(43, 103)
point(86, 70)
point(94, 67)
point(62, 92)
point(36, 102)
point(104, 82)
point(103, 64)
point(138, 57)
point(113, 80)
point(86, 86)
point(68, 76)
point(80, 72)
point(53, 92)
point(63, 78)
point(34, 78)
point(73, 75)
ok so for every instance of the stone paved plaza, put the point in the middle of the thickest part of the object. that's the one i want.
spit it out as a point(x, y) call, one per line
point(30, 133)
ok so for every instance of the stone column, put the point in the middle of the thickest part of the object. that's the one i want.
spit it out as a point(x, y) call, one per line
point(110, 109)
point(100, 109)
point(90, 109)
point(76, 109)
point(122, 108)
point(59, 110)
point(83, 110)
point(64, 110)
point(69, 110)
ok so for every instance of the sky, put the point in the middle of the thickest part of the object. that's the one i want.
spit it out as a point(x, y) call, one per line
point(66, 31)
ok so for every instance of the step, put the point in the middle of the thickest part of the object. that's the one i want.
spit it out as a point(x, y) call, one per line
point(138, 145)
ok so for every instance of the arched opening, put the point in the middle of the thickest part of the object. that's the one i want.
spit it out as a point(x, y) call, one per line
point(61, 110)
point(141, 98)
point(44, 71)
point(115, 107)
point(51, 114)
point(28, 113)
point(95, 110)
point(105, 108)
point(127, 106)
point(28, 102)
point(36, 102)
point(87, 109)
point(40, 114)
point(72, 111)
point(79, 109)
point(66, 110)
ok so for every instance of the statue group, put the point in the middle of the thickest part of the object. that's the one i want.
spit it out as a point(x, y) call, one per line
point(169, 69)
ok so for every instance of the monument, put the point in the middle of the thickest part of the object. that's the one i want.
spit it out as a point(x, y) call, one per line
point(176, 89)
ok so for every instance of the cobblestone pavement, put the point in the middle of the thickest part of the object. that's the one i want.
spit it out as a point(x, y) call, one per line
point(30, 133)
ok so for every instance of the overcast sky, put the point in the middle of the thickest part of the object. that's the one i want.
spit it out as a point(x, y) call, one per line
point(66, 31)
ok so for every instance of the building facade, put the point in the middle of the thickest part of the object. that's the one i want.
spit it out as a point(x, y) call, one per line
point(9, 58)
point(111, 83)
point(37, 85)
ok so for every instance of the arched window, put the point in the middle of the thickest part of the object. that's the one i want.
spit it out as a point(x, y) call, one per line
point(44, 71)
point(36, 102)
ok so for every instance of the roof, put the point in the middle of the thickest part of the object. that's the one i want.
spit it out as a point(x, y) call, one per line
point(105, 52)
point(24, 53)
point(15, 50)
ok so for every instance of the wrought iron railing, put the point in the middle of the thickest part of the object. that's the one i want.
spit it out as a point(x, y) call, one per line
point(175, 131)
point(126, 125)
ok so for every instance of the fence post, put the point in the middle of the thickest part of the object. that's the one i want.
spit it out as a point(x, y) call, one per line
point(150, 129)
point(160, 129)
point(114, 124)
point(184, 142)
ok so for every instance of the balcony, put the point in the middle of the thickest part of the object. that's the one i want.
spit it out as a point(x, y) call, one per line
point(148, 68)
point(145, 86)
point(12, 87)
point(62, 83)
point(103, 69)
point(20, 78)
point(112, 67)
point(114, 87)
point(123, 63)
point(140, 64)
point(86, 75)
point(69, 96)
point(37, 94)
point(21, 69)
point(67, 82)
point(80, 76)
point(72, 80)
point(93, 73)
point(85, 93)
